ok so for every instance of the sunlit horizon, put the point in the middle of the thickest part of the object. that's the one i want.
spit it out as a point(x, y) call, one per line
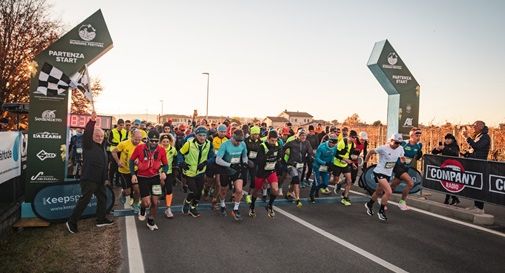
point(307, 56)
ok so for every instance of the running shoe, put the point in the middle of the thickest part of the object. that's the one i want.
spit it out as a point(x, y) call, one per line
point(345, 201)
point(194, 212)
point(369, 210)
point(236, 215)
point(312, 199)
point(72, 228)
point(131, 201)
point(382, 215)
point(299, 203)
point(151, 224)
point(142, 214)
point(252, 213)
point(136, 207)
point(186, 207)
point(289, 196)
point(270, 212)
point(168, 213)
point(104, 222)
point(403, 205)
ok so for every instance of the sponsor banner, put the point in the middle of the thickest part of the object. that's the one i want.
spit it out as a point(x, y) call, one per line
point(397, 80)
point(10, 155)
point(56, 202)
point(368, 180)
point(49, 98)
point(476, 179)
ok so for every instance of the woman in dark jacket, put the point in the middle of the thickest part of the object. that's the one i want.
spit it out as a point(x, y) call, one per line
point(450, 148)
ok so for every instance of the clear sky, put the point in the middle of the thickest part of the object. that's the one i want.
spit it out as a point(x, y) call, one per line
point(267, 56)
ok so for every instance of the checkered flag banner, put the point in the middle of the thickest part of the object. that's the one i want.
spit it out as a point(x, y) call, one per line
point(83, 81)
point(53, 82)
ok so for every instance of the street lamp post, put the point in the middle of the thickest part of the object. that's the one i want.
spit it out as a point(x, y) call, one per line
point(207, 105)
point(161, 110)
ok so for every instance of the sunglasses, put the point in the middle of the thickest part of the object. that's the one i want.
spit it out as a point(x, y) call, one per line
point(398, 142)
point(334, 141)
point(154, 140)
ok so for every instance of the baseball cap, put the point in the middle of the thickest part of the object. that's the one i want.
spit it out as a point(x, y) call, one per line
point(153, 134)
point(137, 121)
point(221, 128)
point(353, 133)
point(255, 130)
point(200, 130)
point(285, 131)
point(333, 138)
point(397, 137)
point(363, 135)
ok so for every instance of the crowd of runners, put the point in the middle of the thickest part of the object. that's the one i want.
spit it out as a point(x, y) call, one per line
point(228, 162)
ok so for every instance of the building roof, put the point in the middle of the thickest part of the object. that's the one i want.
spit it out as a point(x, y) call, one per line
point(175, 116)
point(277, 119)
point(298, 114)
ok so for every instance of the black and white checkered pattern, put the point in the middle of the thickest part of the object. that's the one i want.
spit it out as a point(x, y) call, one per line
point(82, 80)
point(53, 82)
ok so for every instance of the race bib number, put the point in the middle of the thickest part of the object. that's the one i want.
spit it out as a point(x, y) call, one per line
point(408, 160)
point(270, 166)
point(156, 189)
point(235, 160)
point(253, 154)
point(354, 157)
point(390, 165)
point(323, 168)
point(299, 165)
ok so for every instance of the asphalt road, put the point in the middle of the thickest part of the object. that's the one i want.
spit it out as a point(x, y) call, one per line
point(411, 241)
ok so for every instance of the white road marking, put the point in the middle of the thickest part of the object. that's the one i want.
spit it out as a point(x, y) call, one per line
point(135, 262)
point(445, 218)
point(346, 244)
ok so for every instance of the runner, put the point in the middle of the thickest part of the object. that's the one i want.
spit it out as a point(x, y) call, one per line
point(196, 151)
point(233, 155)
point(116, 135)
point(168, 143)
point(389, 154)
point(213, 172)
point(323, 158)
point(150, 157)
point(343, 164)
point(253, 143)
point(299, 150)
point(268, 155)
point(413, 152)
point(314, 143)
point(125, 150)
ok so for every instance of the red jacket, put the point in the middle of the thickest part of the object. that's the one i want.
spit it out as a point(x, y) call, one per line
point(149, 163)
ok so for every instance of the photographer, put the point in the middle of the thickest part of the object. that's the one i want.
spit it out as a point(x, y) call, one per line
point(450, 148)
point(480, 144)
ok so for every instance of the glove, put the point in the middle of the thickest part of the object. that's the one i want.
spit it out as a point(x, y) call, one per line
point(201, 165)
point(250, 164)
point(184, 166)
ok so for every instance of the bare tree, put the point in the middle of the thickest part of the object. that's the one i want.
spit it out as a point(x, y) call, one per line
point(26, 30)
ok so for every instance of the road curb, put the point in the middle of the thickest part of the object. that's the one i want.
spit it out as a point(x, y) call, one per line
point(447, 210)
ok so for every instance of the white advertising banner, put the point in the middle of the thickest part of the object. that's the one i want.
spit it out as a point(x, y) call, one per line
point(10, 155)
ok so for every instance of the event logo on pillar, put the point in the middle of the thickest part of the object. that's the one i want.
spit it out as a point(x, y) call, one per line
point(393, 75)
point(49, 98)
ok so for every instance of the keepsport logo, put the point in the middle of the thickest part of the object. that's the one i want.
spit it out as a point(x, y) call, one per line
point(452, 176)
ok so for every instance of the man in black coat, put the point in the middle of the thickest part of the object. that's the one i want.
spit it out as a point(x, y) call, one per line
point(480, 144)
point(93, 178)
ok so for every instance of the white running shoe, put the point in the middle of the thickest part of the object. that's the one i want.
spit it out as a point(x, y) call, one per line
point(169, 214)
